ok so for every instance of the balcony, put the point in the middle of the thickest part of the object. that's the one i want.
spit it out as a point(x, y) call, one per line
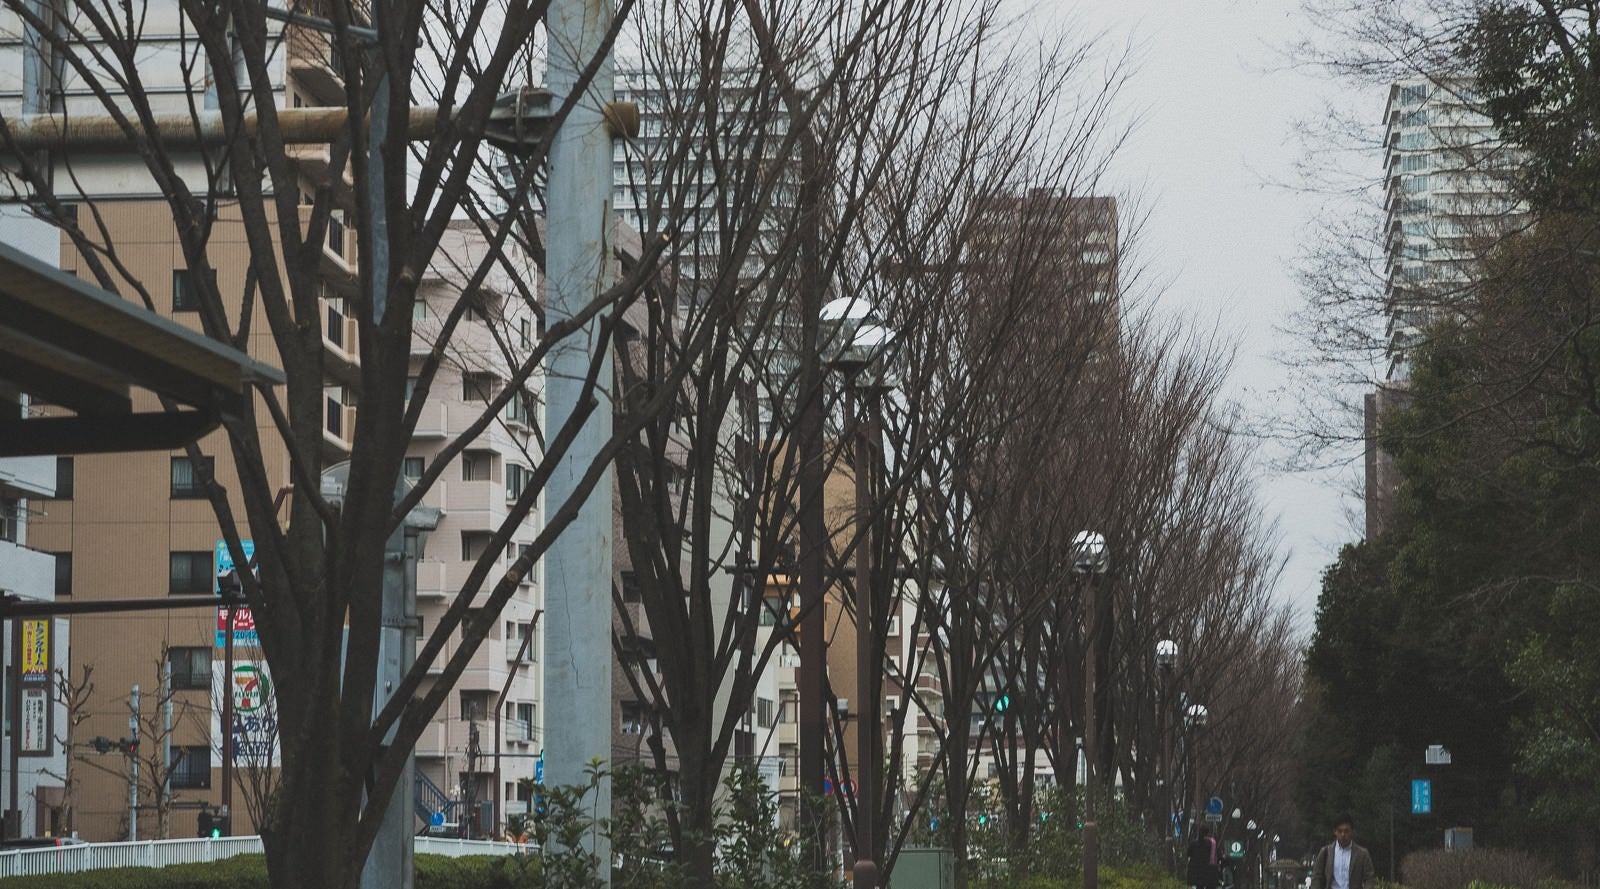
point(32, 476)
point(316, 66)
point(28, 573)
point(432, 579)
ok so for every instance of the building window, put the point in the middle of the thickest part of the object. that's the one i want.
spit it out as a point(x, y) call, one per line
point(10, 518)
point(64, 478)
point(632, 718)
point(63, 574)
point(191, 572)
point(473, 545)
point(191, 668)
point(630, 586)
point(766, 712)
point(186, 483)
point(477, 466)
point(191, 767)
point(186, 290)
point(525, 333)
point(517, 480)
point(411, 469)
point(475, 704)
point(520, 408)
point(478, 386)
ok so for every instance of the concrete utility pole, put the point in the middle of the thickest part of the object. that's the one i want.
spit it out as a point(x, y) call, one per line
point(133, 764)
point(578, 565)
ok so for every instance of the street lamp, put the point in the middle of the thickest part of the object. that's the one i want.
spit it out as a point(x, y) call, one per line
point(1195, 718)
point(1166, 663)
point(861, 346)
point(1091, 558)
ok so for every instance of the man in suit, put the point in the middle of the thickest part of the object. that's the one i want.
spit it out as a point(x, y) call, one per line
point(1342, 864)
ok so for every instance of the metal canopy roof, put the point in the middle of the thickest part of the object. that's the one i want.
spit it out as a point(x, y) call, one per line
point(72, 344)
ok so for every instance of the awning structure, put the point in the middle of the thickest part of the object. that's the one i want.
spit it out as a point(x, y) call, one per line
point(72, 344)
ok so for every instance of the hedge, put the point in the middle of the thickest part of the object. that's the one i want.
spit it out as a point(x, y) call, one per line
point(250, 872)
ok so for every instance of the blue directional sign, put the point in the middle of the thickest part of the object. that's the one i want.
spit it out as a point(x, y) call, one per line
point(1214, 806)
point(1421, 796)
point(538, 770)
point(436, 819)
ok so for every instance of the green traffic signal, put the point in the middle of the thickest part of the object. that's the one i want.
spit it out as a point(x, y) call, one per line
point(1002, 703)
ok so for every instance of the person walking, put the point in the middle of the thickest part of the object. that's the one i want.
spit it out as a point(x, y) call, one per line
point(1203, 872)
point(1342, 864)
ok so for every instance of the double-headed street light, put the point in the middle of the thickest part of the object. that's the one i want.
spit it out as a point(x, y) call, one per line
point(1091, 558)
point(861, 347)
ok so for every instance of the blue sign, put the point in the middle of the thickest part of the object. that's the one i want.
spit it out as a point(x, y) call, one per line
point(538, 770)
point(224, 560)
point(436, 819)
point(1421, 796)
point(1214, 806)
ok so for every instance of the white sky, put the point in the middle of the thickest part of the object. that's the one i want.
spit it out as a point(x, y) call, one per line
point(1215, 136)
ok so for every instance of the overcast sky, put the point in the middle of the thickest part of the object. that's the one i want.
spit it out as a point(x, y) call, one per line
point(1215, 137)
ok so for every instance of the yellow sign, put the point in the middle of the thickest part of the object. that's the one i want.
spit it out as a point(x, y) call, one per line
point(36, 650)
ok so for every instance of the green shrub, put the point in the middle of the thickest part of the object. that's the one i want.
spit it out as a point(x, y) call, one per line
point(250, 872)
point(243, 872)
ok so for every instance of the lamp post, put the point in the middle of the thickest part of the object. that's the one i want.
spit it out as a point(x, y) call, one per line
point(1091, 559)
point(862, 344)
point(1166, 663)
point(1195, 718)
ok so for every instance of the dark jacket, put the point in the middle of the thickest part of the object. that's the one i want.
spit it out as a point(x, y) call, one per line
point(1362, 874)
point(1201, 871)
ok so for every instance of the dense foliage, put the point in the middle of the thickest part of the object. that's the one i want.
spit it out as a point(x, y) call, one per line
point(1469, 622)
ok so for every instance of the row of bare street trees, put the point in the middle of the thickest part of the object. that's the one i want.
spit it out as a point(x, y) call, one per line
point(938, 161)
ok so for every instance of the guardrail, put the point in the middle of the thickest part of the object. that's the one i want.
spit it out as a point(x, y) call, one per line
point(161, 853)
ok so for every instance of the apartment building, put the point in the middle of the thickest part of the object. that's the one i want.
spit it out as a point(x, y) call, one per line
point(487, 737)
point(136, 525)
point(1446, 201)
point(34, 795)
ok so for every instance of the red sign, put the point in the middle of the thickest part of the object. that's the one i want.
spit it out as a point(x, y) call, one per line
point(242, 619)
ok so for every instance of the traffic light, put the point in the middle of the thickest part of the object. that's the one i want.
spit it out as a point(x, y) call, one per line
point(1002, 703)
point(130, 746)
point(214, 825)
point(102, 744)
point(229, 586)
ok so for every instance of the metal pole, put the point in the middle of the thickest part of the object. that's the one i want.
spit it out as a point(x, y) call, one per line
point(1091, 830)
point(868, 727)
point(166, 741)
point(133, 764)
point(13, 816)
point(227, 713)
point(1168, 834)
point(813, 533)
point(578, 565)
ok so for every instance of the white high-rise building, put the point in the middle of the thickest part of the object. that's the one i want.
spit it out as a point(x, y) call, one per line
point(1447, 199)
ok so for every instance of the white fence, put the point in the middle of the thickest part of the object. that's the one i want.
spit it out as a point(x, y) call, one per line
point(160, 853)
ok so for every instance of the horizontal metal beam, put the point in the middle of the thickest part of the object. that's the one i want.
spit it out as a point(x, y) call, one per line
point(162, 431)
point(11, 607)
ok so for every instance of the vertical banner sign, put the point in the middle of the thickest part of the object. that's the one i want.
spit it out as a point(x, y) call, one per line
point(34, 688)
point(36, 652)
point(1421, 796)
point(244, 625)
point(255, 713)
point(35, 722)
point(244, 628)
